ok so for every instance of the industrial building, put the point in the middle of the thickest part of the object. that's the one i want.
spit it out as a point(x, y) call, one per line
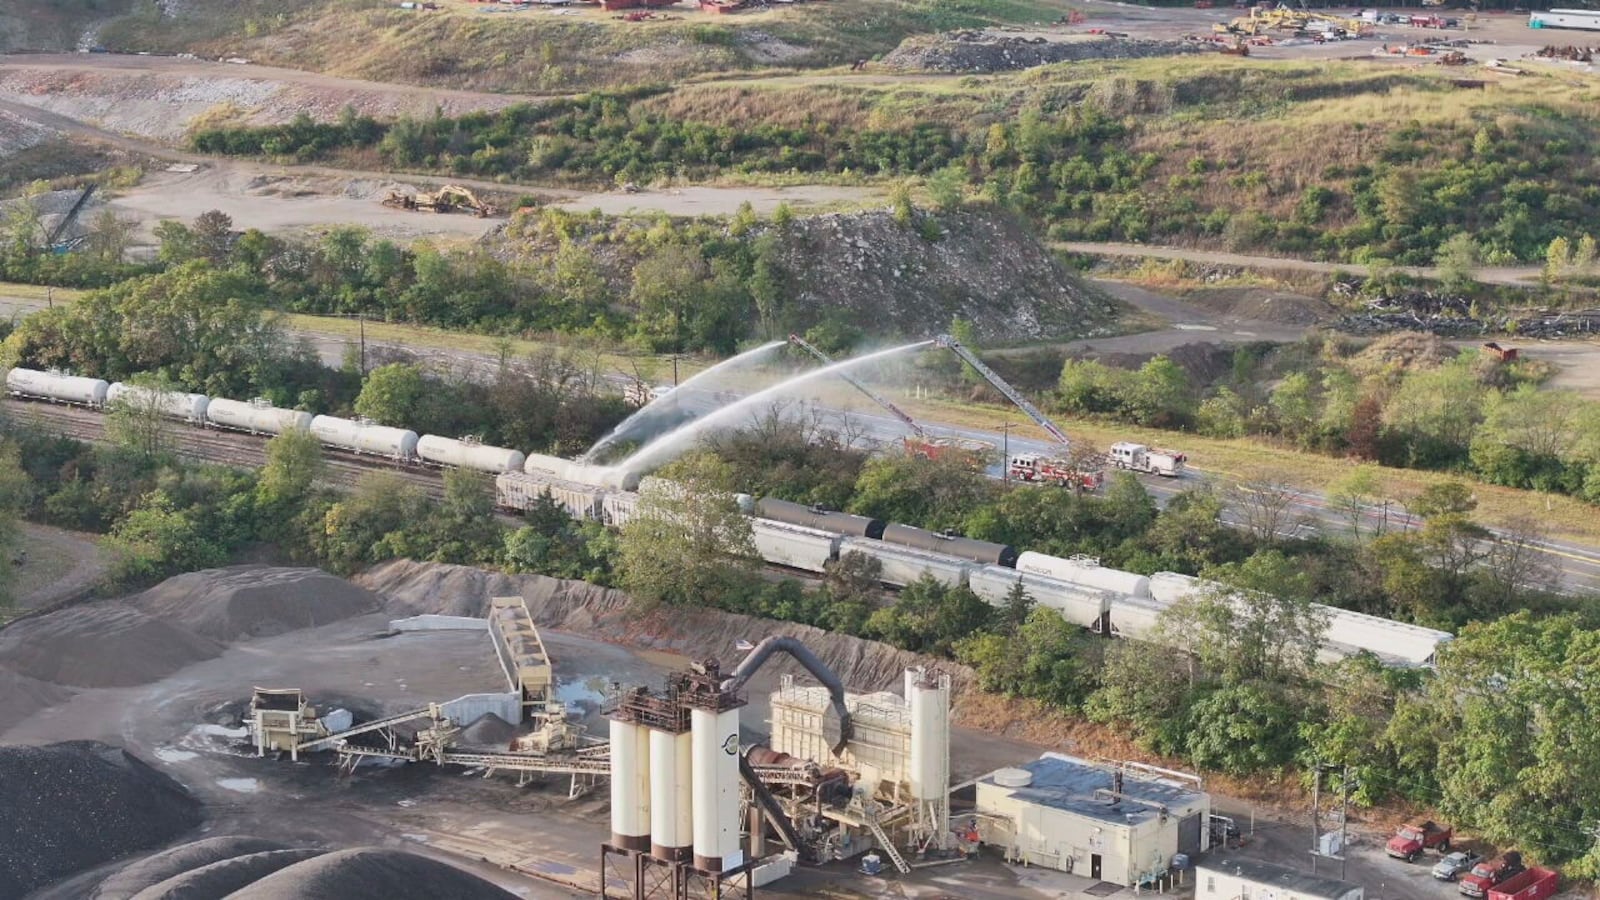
point(1249, 879)
point(1116, 822)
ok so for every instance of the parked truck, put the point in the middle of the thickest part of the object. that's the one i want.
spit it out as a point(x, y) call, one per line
point(1490, 874)
point(1151, 460)
point(1530, 884)
point(1411, 839)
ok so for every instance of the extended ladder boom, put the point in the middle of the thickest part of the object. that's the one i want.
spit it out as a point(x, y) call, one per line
point(971, 359)
point(877, 398)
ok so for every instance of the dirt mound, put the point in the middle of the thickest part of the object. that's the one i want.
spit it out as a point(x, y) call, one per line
point(222, 878)
point(489, 731)
point(1408, 350)
point(21, 697)
point(68, 807)
point(250, 601)
point(1262, 305)
point(889, 278)
point(175, 861)
point(102, 645)
point(371, 874)
point(411, 588)
point(1202, 361)
point(983, 51)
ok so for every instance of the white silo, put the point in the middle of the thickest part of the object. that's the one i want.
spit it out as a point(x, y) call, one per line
point(671, 798)
point(928, 696)
point(630, 786)
point(714, 742)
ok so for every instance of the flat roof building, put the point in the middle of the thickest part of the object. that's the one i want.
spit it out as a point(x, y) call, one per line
point(1251, 879)
point(1114, 822)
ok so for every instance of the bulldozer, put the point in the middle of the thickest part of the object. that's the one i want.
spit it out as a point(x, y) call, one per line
point(449, 198)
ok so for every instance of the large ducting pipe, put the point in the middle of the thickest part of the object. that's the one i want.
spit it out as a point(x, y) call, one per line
point(671, 796)
point(630, 786)
point(803, 655)
point(714, 743)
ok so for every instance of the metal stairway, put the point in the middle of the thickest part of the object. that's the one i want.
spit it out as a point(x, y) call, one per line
point(888, 846)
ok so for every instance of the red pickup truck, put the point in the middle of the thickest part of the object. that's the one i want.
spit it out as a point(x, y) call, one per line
point(1531, 884)
point(1490, 874)
point(1410, 840)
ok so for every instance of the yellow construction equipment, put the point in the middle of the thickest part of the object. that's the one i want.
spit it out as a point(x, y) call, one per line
point(449, 198)
point(1260, 21)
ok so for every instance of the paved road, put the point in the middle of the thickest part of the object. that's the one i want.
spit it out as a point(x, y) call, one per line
point(1517, 276)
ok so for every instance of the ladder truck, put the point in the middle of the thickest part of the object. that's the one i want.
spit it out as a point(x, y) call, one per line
point(919, 442)
point(1031, 467)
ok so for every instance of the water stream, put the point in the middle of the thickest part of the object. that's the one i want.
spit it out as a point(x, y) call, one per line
point(676, 441)
point(639, 423)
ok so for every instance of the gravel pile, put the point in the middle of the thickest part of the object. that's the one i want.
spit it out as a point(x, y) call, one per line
point(21, 697)
point(183, 620)
point(249, 601)
point(982, 51)
point(159, 867)
point(489, 731)
point(371, 874)
point(68, 807)
point(223, 877)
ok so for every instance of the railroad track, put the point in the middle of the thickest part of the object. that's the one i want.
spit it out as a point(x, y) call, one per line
point(342, 471)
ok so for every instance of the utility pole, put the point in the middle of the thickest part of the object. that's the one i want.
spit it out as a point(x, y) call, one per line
point(50, 297)
point(1005, 453)
point(361, 320)
point(1344, 814)
point(1316, 814)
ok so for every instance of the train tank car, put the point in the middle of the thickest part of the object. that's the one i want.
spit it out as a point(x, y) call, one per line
point(610, 477)
point(462, 454)
point(189, 408)
point(819, 518)
point(61, 388)
point(1086, 572)
point(255, 416)
point(951, 545)
point(361, 437)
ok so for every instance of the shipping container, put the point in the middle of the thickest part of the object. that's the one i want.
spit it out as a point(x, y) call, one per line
point(255, 416)
point(189, 408)
point(900, 566)
point(951, 545)
point(57, 386)
point(1086, 572)
point(793, 546)
point(365, 437)
point(819, 518)
point(465, 454)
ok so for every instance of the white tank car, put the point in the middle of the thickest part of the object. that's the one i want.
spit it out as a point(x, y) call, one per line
point(468, 454)
point(1085, 572)
point(57, 386)
point(176, 404)
point(255, 416)
point(900, 566)
point(360, 437)
point(794, 546)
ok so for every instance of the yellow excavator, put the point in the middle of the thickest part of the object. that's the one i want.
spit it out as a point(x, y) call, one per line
point(449, 198)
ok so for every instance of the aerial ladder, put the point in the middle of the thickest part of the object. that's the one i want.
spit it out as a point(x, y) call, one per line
point(923, 444)
point(1027, 466)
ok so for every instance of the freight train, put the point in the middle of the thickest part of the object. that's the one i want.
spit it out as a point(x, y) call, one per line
point(806, 538)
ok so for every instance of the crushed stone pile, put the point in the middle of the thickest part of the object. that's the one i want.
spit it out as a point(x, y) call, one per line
point(182, 621)
point(21, 697)
point(156, 868)
point(371, 874)
point(71, 806)
point(489, 731)
point(985, 267)
point(223, 877)
point(250, 601)
point(983, 51)
point(412, 588)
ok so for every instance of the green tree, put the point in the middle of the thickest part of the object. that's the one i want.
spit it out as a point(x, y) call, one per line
point(373, 523)
point(1244, 728)
point(688, 543)
point(137, 421)
point(16, 492)
point(156, 539)
point(1160, 394)
point(1250, 621)
point(1146, 689)
point(1354, 495)
point(463, 528)
point(393, 395)
point(1557, 259)
point(934, 494)
point(1457, 261)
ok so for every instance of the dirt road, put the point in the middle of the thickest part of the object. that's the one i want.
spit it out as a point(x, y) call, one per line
point(1516, 276)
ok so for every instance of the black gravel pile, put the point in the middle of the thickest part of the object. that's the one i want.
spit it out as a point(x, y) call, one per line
point(371, 874)
point(222, 878)
point(72, 806)
point(154, 869)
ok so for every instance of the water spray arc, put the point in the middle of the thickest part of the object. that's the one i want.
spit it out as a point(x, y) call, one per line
point(674, 442)
point(649, 410)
